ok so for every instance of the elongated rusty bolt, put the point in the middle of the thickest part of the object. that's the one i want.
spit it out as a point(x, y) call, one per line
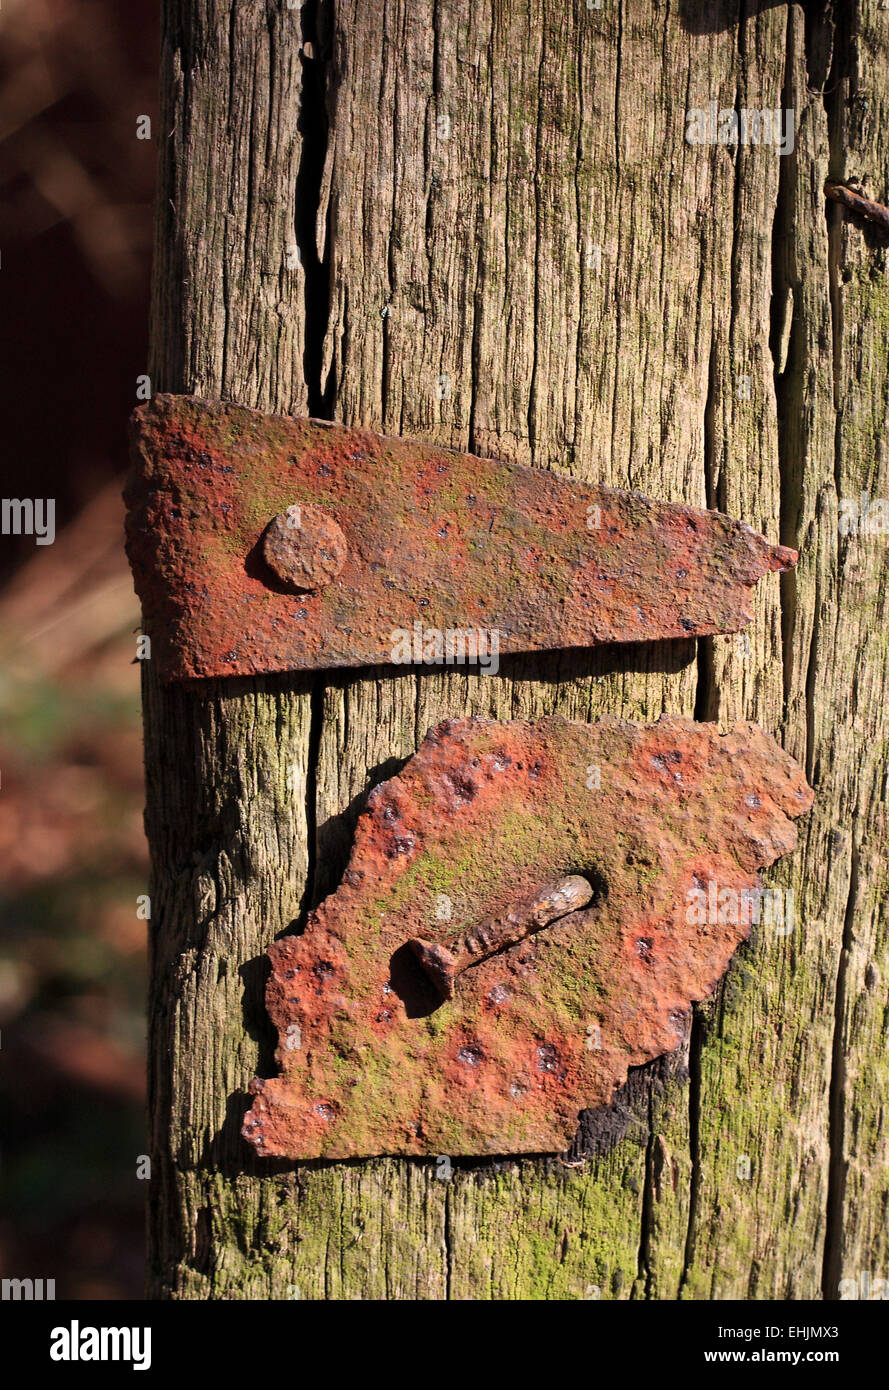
point(856, 202)
point(443, 962)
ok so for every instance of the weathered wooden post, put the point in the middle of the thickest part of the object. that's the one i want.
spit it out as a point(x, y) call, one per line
point(497, 226)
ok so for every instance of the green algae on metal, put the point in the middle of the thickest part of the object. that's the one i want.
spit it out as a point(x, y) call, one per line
point(374, 1062)
point(433, 537)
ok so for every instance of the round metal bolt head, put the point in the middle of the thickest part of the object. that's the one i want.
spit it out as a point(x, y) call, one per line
point(304, 547)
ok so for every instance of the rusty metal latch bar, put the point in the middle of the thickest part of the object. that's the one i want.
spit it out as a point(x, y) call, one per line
point(264, 543)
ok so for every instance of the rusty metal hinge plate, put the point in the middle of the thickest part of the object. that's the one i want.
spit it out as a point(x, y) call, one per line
point(264, 543)
point(528, 911)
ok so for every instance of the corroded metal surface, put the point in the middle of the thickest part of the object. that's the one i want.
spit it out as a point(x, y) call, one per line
point(443, 961)
point(856, 202)
point(435, 540)
point(484, 817)
point(304, 548)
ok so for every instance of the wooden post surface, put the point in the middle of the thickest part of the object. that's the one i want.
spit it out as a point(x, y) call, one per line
point(484, 225)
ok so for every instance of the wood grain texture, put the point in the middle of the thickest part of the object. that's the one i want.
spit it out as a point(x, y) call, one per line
point(526, 258)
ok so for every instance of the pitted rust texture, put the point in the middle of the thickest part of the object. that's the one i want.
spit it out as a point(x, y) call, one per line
point(484, 817)
point(304, 548)
point(431, 537)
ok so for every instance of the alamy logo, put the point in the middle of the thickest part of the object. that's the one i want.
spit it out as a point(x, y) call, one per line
point(864, 1287)
point(453, 646)
point(706, 904)
point(711, 126)
point(29, 516)
point(27, 1290)
point(863, 516)
point(76, 1343)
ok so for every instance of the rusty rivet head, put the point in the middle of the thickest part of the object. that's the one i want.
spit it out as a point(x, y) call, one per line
point(304, 547)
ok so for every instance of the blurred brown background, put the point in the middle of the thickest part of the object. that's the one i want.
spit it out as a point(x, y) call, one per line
point(75, 234)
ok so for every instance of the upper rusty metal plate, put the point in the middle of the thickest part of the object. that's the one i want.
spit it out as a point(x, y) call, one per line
point(432, 537)
point(523, 1005)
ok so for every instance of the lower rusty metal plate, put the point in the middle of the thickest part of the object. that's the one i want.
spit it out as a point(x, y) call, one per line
point(450, 997)
point(388, 540)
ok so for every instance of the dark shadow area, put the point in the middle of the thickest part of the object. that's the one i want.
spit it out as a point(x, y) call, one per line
point(255, 567)
point(414, 989)
point(666, 657)
point(257, 1024)
point(229, 1153)
point(629, 1116)
point(334, 837)
point(313, 127)
point(575, 663)
point(715, 16)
